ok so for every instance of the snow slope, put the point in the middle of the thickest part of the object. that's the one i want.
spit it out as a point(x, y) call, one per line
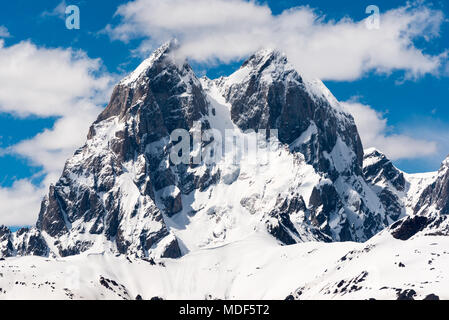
point(254, 268)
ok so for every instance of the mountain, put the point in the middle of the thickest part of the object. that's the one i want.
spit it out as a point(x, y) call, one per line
point(420, 200)
point(259, 173)
point(435, 198)
point(430, 213)
point(121, 192)
point(23, 242)
point(267, 92)
point(398, 191)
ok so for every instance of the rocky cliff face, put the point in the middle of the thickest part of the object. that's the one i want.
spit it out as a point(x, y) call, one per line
point(110, 189)
point(24, 242)
point(435, 198)
point(419, 200)
point(267, 92)
point(387, 181)
point(122, 193)
point(431, 212)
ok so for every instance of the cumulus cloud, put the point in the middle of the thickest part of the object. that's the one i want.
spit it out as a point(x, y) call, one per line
point(225, 30)
point(374, 132)
point(58, 11)
point(20, 203)
point(52, 147)
point(47, 82)
point(43, 82)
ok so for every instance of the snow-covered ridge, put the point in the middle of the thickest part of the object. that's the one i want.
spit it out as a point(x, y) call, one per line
point(147, 63)
point(400, 190)
point(274, 63)
point(384, 268)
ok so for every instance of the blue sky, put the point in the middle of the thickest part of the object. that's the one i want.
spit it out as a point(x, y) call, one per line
point(410, 104)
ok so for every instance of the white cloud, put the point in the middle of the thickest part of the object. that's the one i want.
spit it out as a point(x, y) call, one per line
point(47, 82)
point(20, 203)
point(374, 132)
point(224, 30)
point(4, 33)
point(44, 82)
point(58, 11)
point(51, 148)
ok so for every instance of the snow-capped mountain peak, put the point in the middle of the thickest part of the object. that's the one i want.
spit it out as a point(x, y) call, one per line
point(121, 192)
point(435, 198)
point(295, 178)
point(164, 52)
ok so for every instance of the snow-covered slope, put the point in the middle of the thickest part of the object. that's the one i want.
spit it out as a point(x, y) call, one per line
point(256, 268)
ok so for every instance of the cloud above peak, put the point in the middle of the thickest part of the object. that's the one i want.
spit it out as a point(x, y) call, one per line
point(375, 133)
point(227, 30)
point(47, 82)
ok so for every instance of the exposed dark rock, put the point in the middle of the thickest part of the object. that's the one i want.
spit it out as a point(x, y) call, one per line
point(408, 227)
point(6, 246)
point(386, 181)
point(432, 297)
point(283, 229)
point(52, 216)
point(381, 168)
point(31, 243)
point(172, 250)
point(26, 242)
point(172, 203)
point(408, 294)
point(156, 299)
point(436, 195)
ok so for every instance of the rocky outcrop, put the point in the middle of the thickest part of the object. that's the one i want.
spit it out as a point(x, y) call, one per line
point(421, 200)
point(377, 168)
point(431, 213)
point(24, 242)
point(6, 242)
point(420, 225)
point(30, 242)
point(387, 181)
point(435, 198)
